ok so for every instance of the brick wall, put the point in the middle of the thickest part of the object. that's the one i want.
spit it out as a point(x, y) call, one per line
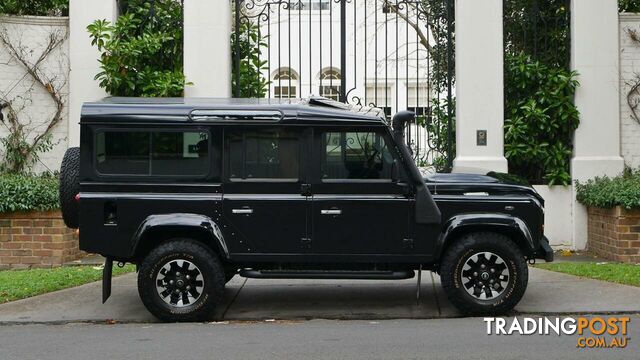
point(614, 234)
point(36, 239)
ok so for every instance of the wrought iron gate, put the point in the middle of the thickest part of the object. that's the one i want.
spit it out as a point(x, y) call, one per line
point(391, 54)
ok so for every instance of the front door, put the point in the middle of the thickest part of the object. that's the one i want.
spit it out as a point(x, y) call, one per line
point(358, 208)
point(263, 200)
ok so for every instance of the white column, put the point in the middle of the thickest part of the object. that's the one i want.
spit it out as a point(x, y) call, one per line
point(207, 49)
point(595, 56)
point(479, 86)
point(83, 58)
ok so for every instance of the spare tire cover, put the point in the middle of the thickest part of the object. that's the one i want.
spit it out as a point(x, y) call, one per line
point(70, 187)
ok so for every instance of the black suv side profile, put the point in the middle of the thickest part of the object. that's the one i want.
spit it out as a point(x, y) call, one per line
point(196, 191)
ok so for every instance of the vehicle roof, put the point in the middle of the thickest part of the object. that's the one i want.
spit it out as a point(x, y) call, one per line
point(310, 110)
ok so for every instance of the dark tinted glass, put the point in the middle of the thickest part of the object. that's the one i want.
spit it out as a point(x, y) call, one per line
point(173, 153)
point(180, 153)
point(263, 154)
point(355, 155)
point(123, 153)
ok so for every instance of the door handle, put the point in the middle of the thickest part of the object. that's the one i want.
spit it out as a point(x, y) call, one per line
point(242, 211)
point(331, 212)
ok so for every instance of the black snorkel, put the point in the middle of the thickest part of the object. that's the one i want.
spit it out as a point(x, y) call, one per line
point(426, 210)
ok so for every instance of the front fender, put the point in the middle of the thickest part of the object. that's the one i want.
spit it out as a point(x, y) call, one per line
point(182, 221)
point(461, 224)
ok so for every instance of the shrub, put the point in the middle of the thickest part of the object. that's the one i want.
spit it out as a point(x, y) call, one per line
point(540, 119)
point(632, 6)
point(35, 7)
point(605, 192)
point(141, 54)
point(28, 193)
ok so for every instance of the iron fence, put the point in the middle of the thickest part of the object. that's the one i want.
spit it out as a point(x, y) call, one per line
point(391, 54)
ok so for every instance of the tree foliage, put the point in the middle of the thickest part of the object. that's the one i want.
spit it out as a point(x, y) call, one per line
point(248, 50)
point(35, 7)
point(141, 54)
point(437, 124)
point(540, 119)
point(631, 6)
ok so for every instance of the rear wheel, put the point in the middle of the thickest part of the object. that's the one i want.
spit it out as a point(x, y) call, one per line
point(484, 274)
point(181, 280)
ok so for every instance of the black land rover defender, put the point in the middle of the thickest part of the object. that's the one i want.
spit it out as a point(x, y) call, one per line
point(196, 191)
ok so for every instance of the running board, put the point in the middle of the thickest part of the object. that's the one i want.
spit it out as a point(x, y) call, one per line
point(325, 274)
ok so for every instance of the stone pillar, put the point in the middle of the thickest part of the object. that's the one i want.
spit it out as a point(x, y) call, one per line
point(207, 49)
point(595, 56)
point(83, 58)
point(479, 86)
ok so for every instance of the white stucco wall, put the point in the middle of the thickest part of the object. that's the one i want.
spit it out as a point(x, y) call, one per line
point(84, 58)
point(557, 215)
point(629, 75)
point(32, 33)
point(479, 86)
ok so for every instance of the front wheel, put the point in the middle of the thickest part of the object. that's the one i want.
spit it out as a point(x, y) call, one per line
point(484, 274)
point(180, 281)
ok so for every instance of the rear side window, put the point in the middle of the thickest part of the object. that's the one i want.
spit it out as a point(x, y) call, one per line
point(263, 154)
point(163, 153)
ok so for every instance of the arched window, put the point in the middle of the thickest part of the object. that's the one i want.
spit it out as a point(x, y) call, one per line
point(330, 83)
point(284, 84)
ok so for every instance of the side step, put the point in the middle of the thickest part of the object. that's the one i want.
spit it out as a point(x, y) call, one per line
point(327, 274)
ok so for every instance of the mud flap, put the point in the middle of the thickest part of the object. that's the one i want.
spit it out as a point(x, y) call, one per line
point(106, 279)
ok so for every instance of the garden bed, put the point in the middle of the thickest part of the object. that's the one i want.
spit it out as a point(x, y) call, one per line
point(614, 215)
point(614, 234)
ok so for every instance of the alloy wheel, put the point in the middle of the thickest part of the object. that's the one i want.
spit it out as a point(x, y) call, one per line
point(179, 283)
point(485, 275)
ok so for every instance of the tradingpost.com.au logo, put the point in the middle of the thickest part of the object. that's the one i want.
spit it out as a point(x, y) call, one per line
point(593, 332)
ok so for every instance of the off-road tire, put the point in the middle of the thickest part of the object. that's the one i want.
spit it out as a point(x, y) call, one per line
point(70, 187)
point(459, 252)
point(202, 257)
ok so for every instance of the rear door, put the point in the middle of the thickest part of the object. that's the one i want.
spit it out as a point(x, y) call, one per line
point(358, 209)
point(263, 200)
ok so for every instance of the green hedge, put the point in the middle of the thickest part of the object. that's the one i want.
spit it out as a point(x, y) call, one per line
point(605, 192)
point(27, 193)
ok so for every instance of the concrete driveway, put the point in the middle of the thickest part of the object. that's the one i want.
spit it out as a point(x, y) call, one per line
point(251, 299)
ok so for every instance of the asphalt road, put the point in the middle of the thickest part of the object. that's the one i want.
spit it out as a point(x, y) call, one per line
point(317, 339)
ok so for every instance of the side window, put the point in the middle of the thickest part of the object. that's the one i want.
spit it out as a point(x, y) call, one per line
point(355, 155)
point(263, 154)
point(163, 153)
point(120, 152)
